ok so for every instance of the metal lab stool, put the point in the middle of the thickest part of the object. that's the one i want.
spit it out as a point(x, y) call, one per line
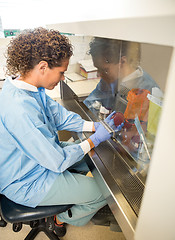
point(35, 217)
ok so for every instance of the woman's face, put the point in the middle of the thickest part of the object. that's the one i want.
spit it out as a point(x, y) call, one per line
point(54, 75)
point(109, 72)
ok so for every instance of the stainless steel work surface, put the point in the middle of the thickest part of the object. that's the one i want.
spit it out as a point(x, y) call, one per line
point(118, 180)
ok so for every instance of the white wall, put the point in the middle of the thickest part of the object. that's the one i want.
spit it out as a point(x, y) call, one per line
point(3, 46)
point(80, 48)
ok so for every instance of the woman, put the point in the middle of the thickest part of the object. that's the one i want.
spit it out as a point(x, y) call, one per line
point(36, 168)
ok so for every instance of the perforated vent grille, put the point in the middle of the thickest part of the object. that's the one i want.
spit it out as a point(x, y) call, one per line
point(129, 184)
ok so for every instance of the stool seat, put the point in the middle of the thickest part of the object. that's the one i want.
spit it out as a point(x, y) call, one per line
point(14, 213)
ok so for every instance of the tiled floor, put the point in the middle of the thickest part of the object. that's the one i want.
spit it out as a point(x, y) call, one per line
point(88, 232)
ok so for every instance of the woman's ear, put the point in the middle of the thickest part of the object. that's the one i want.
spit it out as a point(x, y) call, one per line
point(42, 65)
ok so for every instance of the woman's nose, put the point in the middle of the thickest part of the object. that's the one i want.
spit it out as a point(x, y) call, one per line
point(62, 78)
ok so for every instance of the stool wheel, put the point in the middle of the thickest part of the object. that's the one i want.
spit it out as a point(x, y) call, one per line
point(17, 227)
point(34, 224)
point(3, 223)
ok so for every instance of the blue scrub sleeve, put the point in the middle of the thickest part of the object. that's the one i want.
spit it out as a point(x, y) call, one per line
point(36, 141)
point(64, 119)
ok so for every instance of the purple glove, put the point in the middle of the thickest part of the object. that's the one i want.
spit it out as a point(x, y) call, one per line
point(96, 125)
point(111, 123)
point(100, 135)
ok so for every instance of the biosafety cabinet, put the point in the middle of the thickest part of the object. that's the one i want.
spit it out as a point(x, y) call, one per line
point(135, 168)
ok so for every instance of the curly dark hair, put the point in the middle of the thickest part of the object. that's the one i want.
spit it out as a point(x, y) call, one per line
point(30, 47)
point(111, 50)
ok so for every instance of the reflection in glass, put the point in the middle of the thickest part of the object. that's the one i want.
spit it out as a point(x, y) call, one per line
point(124, 87)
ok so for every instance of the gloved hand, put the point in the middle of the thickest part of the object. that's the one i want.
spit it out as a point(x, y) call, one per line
point(112, 124)
point(100, 135)
point(96, 125)
point(110, 121)
point(107, 120)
